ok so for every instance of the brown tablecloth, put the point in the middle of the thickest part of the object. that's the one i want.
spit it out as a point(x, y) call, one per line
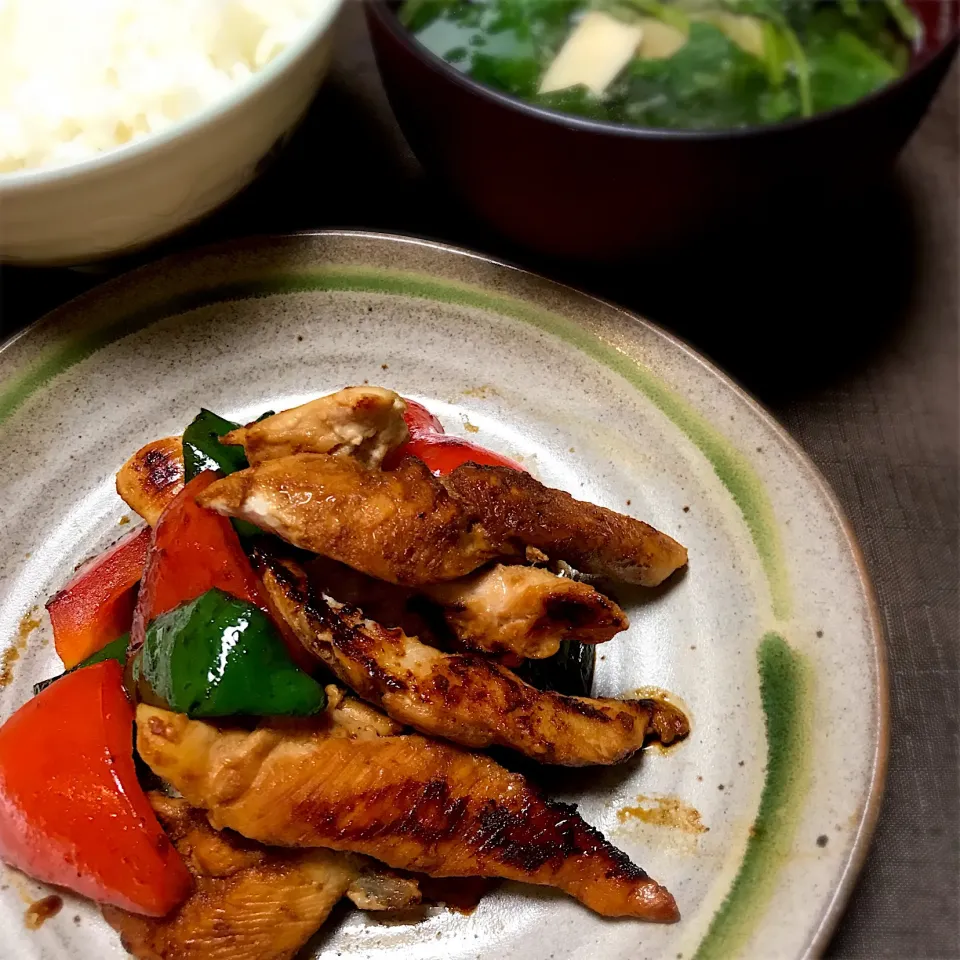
point(845, 324)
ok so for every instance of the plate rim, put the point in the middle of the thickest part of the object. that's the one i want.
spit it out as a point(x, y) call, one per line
point(866, 827)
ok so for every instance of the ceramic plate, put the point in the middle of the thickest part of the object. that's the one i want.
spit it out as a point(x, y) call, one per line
point(759, 821)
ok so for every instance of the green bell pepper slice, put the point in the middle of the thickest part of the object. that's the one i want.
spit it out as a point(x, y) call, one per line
point(202, 450)
point(218, 656)
point(569, 671)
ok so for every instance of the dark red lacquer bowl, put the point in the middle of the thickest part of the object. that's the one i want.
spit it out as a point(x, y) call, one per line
point(582, 189)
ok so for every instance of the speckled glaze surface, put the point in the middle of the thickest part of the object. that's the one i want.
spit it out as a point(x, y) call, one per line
point(769, 639)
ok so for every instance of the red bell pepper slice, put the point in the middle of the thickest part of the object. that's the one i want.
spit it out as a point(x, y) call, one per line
point(420, 420)
point(443, 454)
point(71, 810)
point(96, 606)
point(438, 451)
point(192, 551)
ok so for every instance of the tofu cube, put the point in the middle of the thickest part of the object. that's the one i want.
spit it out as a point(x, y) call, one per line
point(594, 53)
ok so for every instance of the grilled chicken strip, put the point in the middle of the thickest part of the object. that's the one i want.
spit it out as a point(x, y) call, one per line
point(408, 527)
point(249, 902)
point(466, 698)
point(152, 477)
point(363, 422)
point(504, 609)
point(414, 803)
point(398, 525)
point(252, 902)
point(513, 506)
point(525, 610)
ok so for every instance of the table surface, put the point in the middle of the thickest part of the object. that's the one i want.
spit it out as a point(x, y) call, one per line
point(845, 326)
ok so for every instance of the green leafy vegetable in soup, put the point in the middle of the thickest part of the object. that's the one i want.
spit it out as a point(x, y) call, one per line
point(685, 64)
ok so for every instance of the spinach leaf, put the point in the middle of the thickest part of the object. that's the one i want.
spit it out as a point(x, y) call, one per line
point(709, 82)
point(543, 23)
point(416, 14)
point(843, 66)
point(517, 75)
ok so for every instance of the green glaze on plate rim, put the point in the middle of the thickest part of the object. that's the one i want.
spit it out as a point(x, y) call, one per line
point(785, 693)
point(785, 680)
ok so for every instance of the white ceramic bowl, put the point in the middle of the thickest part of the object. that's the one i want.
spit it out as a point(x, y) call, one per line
point(136, 194)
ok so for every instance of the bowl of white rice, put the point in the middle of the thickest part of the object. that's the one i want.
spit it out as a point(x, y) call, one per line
point(122, 121)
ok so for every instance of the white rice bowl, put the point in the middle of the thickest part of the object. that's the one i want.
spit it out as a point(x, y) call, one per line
point(82, 77)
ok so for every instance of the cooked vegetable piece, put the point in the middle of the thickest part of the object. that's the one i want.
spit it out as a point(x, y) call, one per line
point(192, 551)
point(202, 449)
point(114, 650)
point(745, 31)
point(569, 671)
point(71, 810)
point(710, 82)
point(666, 11)
point(443, 454)
point(438, 451)
point(420, 420)
point(599, 47)
point(217, 656)
point(96, 606)
point(842, 65)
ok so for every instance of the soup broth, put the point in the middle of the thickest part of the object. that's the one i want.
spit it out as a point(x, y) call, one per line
point(685, 64)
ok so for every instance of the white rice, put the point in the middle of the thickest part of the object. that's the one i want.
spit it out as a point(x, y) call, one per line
point(79, 77)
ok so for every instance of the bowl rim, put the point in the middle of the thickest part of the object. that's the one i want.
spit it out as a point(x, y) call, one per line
point(387, 18)
point(134, 149)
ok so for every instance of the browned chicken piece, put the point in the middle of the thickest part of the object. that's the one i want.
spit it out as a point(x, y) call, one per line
point(362, 422)
point(408, 527)
point(513, 507)
point(415, 803)
point(524, 610)
point(398, 525)
point(249, 902)
point(152, 477)
point(376, 886)
point(463, 697)
point(521, 610)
